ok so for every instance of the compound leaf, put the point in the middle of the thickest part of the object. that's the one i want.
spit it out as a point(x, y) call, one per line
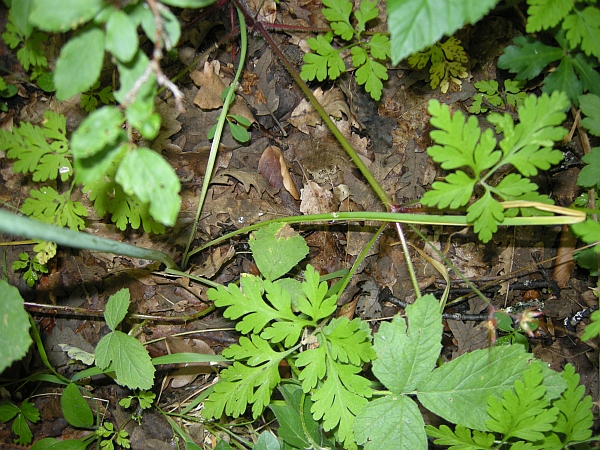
point(405, 357)
point(326, 62)
point(391, 421)
point(485, 214)
point(544, 14)
point(338, 13)
point(78, 66)
point(528, 57)
point(367, 11)
point(460, 438)
point(416, 24)
point(145, 174)
point(454, 192)
point(49, 206)
point(315, 368)
point(584, 27)
point(276, 249)
point(129, 358)
point(379, 46)
point(369, 73)
point(349, 341)
point(454, 390)
point(523, 413)
point(564, 79)
point(14, 328)
point(315, 304)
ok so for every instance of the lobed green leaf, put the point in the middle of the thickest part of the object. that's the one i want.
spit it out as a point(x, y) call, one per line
point(583, 27)
point(528, 57)
point(545, 14)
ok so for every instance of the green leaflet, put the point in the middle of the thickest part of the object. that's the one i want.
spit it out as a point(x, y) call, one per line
point(14, 330)
point(526, 145)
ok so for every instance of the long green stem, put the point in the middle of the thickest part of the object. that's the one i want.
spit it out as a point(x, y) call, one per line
point(33, 229)
point(217, 138)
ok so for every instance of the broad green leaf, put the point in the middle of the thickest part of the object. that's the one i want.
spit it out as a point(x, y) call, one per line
point(62, 15)
point(145, 174)
point(276, 249)
point(266, 441)
point(141, 115)
point(544, 14)
point(393, 421)
point(528, 57)
point(416, 24)
point(101, 128)
point(116, 308)
point(588, 75)
point(93, 172)
point(78, 66)
point(564, 79)
point(129, 358)
point(590, 106)
point(405, 357)
point(19, 16)
point(590, 174)
point(455, 390)
point(14, 327)
point(75, 408)
point(121, 36)
point(129, 73)
point(55, 444)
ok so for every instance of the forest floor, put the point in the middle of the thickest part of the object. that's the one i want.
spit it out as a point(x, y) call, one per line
point(391, 135)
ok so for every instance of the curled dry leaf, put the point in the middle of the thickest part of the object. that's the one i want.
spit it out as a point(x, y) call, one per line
point(333, 102)
point(213, 264)
point(315, 199)
point(273, 167)
point(188, 373)
point(564, 257)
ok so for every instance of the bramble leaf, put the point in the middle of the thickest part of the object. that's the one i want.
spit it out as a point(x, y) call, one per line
point(145, 174)
point(129, 358)
point(528, 57)
point(416, 24)
point(524, 413)
point(78, 66)
point(276, 249)
point(544, 14)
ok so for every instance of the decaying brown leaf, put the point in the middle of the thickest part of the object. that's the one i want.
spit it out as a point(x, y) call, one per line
point(273, 167)
point(315, 199)
point(564, 263)
point(214, 263)
point(333, 102)
point(187, 374)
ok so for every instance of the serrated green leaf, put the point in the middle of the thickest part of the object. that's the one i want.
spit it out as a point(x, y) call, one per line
point(327, 62)
point(367, 11)
point(583, 27)
point(454, 390)
point(315, 304)
point(544, 14)
point(101, 128)
point(528, 57)
point(460, 438)
point(592, 329)
point(349, 341)
point(406, 356)
point(369, 73)
point(455, 192)
point(121, 36)
point(21, 428)
point(116, 308)
point(393, 421)
point(49, 206)
point(588, 75)
point(129, 210)
point(75, 408)
point(564, 79)
point(145, 174)
point(14, 328)
point(29, 411)
point(276, 249)
point(588, 231)
point(241, 385)
point(313, 361)
point(590, 173)
point(590, 106)
point(379, 46)
point(62, 15)
point(7, 409)
point(575, 418)
point(338, 13)
point(339, 399)
point(129, 358)
point(513, 187)
point(524, 413)
point(485, 214)
point(416, 24)
point(78, 66)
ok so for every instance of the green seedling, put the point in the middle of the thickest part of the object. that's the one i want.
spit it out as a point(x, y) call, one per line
point(21, 415)
point(33, 268)
point(489, 95)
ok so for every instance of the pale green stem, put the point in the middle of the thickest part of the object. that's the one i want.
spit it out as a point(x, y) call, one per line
point(214, 149)
point(33, 229)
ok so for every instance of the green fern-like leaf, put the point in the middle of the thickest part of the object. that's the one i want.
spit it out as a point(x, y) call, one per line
point(524, 413)
point(544, 14)
point(583, 27)
point(49, 206)
point(326, 62)
point(460, 438)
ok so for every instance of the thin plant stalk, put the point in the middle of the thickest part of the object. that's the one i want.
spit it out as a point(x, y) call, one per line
point(217, 138)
